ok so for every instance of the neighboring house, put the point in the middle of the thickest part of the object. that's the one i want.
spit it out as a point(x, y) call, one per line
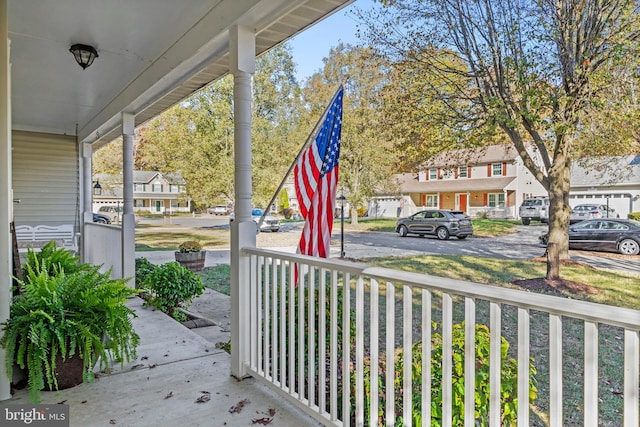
point(153, 192)
point(612, 181)
point(492, 180)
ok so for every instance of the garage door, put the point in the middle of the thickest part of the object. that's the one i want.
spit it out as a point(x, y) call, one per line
point(619, 202)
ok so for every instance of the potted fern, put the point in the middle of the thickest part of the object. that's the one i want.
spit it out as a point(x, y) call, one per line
point(67, 318)
point(191, 255)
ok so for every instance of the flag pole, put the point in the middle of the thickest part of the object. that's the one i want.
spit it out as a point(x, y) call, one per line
point(304, 147)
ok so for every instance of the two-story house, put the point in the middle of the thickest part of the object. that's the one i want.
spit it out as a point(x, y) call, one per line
point(153, 192)
point(491, 180)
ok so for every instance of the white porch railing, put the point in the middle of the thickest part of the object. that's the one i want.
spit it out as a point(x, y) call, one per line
point(103, 246)
point(300, 346)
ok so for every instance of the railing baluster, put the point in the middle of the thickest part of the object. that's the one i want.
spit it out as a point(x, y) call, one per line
point(407, 349)
point(631, 378)
point(426, 358)
point(333, 367)
point(255, 320)
point(447, 359)
point(322, 341)
point(282, 319)
point(311, 338)
point(266, 325)
point(495, 364)
point(291, 348)
point(346, 351)
point(260, 314)
point(555, 371)
point(274, 321)
point(374, 346)
point(301, 338)
point(359, 383)
point(390, 327)
point(523, 366)
point(469, 361)
point(590, 374)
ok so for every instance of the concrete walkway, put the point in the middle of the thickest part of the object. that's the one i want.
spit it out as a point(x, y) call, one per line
point(178, 379)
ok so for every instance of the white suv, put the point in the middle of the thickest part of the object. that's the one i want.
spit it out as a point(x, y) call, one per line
point(535, 209)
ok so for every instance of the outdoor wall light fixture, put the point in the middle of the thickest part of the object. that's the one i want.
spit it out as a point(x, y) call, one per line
point(84, 54)
point(97, 189)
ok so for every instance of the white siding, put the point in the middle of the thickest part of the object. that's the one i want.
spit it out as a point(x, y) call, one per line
point(45, 179)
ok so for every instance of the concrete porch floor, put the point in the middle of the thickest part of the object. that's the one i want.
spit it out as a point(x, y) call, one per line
point(174, 369)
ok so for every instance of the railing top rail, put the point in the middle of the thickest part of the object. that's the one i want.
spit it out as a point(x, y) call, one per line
point(331, 264)
point(617, 316)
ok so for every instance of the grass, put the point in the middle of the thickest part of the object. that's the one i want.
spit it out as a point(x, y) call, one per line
point(161, 238)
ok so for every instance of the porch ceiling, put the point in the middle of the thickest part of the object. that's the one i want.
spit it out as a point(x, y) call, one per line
point(152, 54)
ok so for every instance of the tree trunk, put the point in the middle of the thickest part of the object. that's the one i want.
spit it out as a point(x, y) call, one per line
point(553, 261)
point(559, 215)
point(354, 216)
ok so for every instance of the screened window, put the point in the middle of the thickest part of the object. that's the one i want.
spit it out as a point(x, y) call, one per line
point(433, 173)
point(431, 201)
point(462, 172)
point(496, 200)
point(496, 169)
point(157, 188)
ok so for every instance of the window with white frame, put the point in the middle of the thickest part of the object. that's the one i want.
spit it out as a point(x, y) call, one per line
point(174, 188)
point(462, 172)
point(156, 188)
point(433, 173)
point(431, 201)
point(496, 200)
point(139, 187)
point(496, 169)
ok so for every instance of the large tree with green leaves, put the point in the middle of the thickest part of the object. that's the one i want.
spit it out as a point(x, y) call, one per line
point(195, 137)
point(367, 154)
point(530, 70)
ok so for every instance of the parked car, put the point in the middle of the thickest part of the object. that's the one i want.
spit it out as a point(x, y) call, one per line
point(608, 235)
point(441, 223)
point(588, 211)
point(101, 219)
point(534, 209)
point(113, 212)
point(270, 222)
point(219, 210)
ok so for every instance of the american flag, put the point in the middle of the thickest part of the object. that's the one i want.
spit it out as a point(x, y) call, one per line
point(316, 178)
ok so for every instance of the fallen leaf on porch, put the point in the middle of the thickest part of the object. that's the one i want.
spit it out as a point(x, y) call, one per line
point(153, 365)
point(235, 409)
point(264, 421)
point(137, 366)
point(204, 398)
point(112, 421)
point(169, 395)
point(144, 357)
point(61, 403)
point(205, 392)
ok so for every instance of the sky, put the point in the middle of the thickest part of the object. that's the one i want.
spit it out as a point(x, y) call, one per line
point(313, 44)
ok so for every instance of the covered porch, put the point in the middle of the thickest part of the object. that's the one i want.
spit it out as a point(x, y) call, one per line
point(316, 343)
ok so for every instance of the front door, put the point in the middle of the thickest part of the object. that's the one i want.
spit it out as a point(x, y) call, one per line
point(461, 202)
point(158, 206)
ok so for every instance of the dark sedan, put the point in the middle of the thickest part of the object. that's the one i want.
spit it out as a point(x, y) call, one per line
point(609, 235)
point(101, 219)
point(441, 223)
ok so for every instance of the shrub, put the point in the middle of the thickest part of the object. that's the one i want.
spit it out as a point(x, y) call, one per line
point(508, 385)
point(634, 215)
point(144, 269)
point(190, 246)
point(171, 285)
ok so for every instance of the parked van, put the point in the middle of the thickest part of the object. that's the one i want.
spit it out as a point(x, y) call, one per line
point(113, 212)
point(535, 209)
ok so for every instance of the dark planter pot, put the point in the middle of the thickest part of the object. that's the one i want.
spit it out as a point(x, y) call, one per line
point(194, 261)
point(68, 373)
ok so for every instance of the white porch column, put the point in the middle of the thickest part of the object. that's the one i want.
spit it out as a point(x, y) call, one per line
point(243, 230)
point(87, 196)
point(6, 194)
point(128, 217)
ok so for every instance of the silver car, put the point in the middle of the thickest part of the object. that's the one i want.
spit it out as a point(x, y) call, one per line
point(589, 211)
point(441, 223)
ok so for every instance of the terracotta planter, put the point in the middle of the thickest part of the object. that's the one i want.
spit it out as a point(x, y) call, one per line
point(194, 261)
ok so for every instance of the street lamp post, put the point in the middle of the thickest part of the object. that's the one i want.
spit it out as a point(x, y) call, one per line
point(341, 198)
